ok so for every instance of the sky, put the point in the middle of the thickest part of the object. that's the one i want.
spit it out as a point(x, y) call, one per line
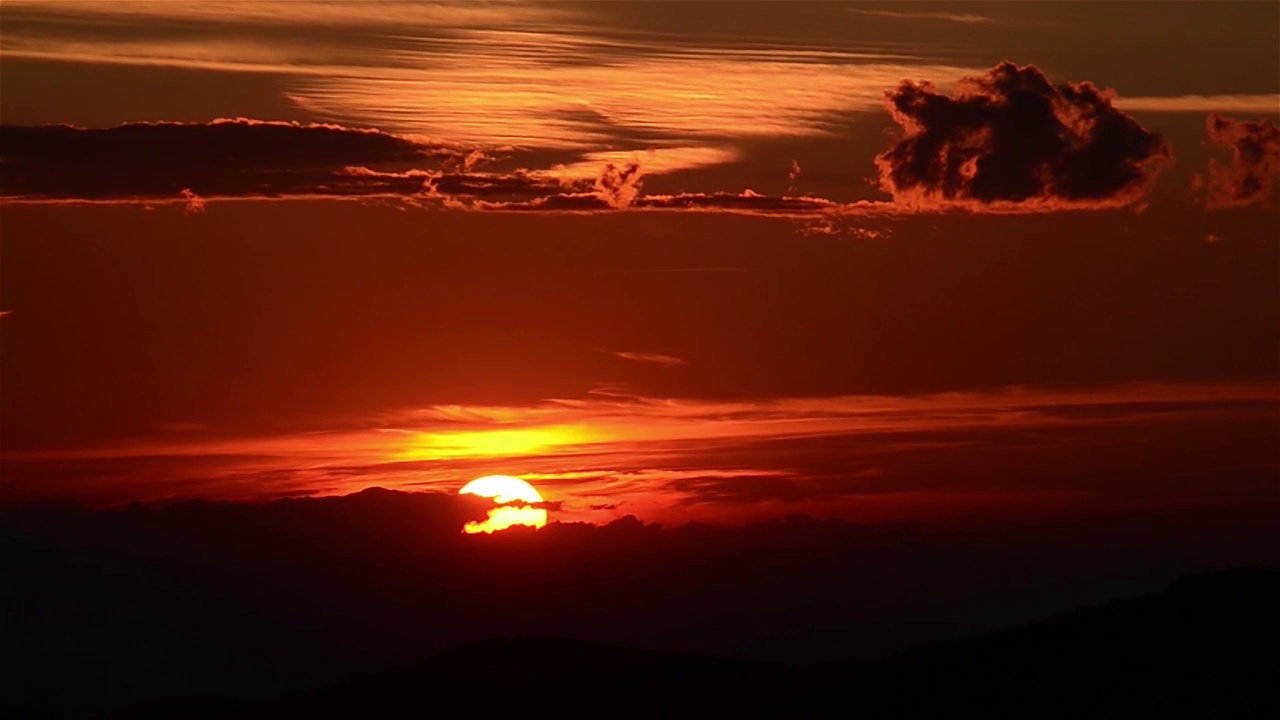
point(721, 262)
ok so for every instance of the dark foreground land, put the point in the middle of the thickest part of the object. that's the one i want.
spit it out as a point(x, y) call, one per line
point(1207, 646)
point(327, 607)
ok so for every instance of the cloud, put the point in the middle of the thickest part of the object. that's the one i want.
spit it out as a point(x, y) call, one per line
point(655, 161)
point(618, 186)
point(226, 157)
point(1010, 139)
point(747, 202)
point(836, 226)
point(1265, 103)
point(963, 18)
point(195, 203)
point(654, 358)
point(1255, 161)
point(1006, 142)
point(610, 448)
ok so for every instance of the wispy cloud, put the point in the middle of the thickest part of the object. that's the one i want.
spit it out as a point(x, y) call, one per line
point(962, 18)
point(653, 358)
point(1266, 103)
point(515, 74)
point(677, 100)
point(306, 13)
point(612, 447)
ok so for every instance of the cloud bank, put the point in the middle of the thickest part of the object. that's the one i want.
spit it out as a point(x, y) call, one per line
point(225, 157)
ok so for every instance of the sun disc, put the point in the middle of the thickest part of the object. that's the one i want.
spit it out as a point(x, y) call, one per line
point(503, 489)
point(514, 499)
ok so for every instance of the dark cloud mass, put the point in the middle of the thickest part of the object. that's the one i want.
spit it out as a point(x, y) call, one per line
point(1013, 139)
point(1255, 161)
point(223, 157)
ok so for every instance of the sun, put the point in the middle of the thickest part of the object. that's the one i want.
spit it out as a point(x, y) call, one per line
point(514, 499)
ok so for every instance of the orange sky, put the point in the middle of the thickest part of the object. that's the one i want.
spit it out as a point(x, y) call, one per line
point(679, 260)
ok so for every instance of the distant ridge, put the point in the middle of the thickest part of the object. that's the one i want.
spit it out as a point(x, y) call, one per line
point(1207, 646)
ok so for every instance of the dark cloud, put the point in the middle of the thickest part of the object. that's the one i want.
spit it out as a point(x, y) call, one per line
point(1255, 161)
point(1013, 140)
point(618, 186)
point(193, 163)
point(223, 157)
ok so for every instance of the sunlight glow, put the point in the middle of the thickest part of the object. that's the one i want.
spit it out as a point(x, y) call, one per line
point(491, 443)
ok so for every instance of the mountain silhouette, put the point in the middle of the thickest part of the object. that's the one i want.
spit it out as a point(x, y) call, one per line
point(1204, 647)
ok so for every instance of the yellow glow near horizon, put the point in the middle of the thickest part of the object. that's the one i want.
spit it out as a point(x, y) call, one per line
point(492, 443)
point(505, 491)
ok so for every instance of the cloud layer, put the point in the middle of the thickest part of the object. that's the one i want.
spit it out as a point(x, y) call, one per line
point(1011, 137)
point(660, 457)
point(1007, 140)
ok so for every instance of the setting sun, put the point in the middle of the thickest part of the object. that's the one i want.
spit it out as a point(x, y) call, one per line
point(507, 493)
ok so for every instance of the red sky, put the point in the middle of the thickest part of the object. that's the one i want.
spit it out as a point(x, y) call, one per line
point(714, 261)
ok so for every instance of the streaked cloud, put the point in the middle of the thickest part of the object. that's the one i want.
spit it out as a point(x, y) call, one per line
point(653, 161)
point(494, 100)
point(1260, 103)
point(518, 74)
point(962, 18)
point(610, 447)
point(312, 13)
point(653, 358)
